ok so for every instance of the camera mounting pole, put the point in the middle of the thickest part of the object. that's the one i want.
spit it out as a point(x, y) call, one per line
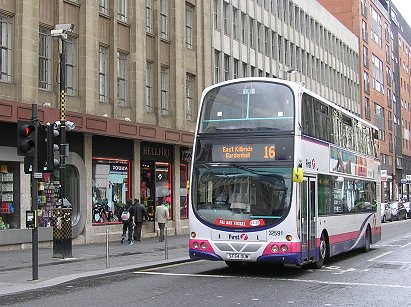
point(62, 245)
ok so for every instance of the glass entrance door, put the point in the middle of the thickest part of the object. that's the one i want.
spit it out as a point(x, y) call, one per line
point(308, 218)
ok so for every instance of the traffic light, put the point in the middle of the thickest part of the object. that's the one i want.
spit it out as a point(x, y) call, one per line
point(52, 147)
point(26, 138)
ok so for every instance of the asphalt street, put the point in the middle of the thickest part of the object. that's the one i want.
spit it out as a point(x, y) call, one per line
point(380, 277)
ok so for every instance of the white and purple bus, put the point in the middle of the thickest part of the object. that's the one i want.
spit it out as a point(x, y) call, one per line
point(281, 175)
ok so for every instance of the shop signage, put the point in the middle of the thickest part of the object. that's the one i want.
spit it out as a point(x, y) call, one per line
point(185, 155)
point(157, 152)
point(119, 168)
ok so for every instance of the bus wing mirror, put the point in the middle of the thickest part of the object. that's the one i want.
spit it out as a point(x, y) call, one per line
point(298, 174)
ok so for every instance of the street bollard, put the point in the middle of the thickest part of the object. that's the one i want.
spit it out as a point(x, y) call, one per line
point(107, 251)
point(165, 244)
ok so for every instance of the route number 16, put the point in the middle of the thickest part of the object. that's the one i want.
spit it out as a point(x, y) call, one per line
point(269, 152)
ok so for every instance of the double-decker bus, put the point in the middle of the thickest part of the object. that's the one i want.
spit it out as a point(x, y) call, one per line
point(281, 175)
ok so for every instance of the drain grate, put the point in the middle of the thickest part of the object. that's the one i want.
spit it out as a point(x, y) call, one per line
point(327, 288)
point(388, 266)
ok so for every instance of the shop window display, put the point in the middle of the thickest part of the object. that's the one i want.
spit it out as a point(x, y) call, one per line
point(110, 189)
point(48, 192)
point(10, 211)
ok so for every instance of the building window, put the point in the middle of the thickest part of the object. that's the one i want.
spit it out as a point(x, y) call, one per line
point(245, 74)
point(236, 68)
point(366, 82)
point(149, 16)
point(5, 48)
point(216, 14)
point(45, 52)
point(226, 19)
point(71, 66)
point(251, 24)
point(189, 96)
point(122, 10)
point(164, 91)
point(367, 108)
point(149, 87)
point(226, 67)
point(365, 56)
point(122, 79)
point(235, 24)
point(103, 74)
point(103, 7)
point(259, 37)
point(243, 28)
point(216, 66)
point(378, 78)
point(164, 19)
point(376, 27)
point(189, 26)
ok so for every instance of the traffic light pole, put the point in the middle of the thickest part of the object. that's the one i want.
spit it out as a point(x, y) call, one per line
point(34, 205)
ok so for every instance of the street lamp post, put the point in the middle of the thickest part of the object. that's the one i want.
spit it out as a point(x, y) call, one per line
point(62, 245)
point(290, 71)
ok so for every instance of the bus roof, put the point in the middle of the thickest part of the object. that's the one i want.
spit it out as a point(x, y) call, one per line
point(295, 86)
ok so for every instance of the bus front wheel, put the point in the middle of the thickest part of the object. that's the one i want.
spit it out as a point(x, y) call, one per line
point(322, 253)
point(367, 240)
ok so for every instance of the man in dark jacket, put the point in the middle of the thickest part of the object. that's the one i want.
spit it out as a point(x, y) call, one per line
point(128, 219)
point(141, 215)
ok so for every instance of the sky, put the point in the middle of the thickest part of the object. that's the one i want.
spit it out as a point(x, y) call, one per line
point(404, 6)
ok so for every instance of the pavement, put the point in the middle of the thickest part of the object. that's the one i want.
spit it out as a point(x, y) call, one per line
point(89, 260)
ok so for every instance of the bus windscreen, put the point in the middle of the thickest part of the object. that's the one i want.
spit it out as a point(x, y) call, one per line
point(232, 195)
point(248, 106)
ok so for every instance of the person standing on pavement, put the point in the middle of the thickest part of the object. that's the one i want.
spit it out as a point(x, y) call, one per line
point(128, 219)
point(141, 215)
point(162, 217)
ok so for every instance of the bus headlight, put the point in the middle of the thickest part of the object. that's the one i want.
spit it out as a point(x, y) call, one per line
point(193, 235)
point(203, 246)
point(284, 248)
point(274, 248)
point(195, 245)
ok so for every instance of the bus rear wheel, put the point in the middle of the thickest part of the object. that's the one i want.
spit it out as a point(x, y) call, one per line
point(322, 253)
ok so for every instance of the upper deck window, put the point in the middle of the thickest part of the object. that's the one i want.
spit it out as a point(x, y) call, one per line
point(248, 106)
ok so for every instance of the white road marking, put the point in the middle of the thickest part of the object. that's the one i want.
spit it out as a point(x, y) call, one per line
point(405, 245)
point(382, 255)
point(311, 281)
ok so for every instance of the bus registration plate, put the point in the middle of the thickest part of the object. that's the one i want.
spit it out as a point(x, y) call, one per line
point(238, 256)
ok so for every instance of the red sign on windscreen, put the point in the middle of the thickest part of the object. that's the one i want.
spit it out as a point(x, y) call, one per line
point(239, 224)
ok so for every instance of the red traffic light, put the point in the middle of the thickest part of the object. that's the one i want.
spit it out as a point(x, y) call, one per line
point(26, 138)
point(25, 130)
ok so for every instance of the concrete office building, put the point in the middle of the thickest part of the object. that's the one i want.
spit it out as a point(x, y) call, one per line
point(296, 40)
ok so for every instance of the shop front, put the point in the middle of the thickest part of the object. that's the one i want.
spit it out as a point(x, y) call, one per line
point(156, 177)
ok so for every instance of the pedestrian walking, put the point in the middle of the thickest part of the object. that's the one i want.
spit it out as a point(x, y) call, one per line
point(128, 219)
point(141, 216)
point(162, 217)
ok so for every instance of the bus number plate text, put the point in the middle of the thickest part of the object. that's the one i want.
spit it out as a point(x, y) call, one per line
point(238, 256)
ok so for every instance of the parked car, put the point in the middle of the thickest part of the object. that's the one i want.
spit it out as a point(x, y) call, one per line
point(398, 211)
point(386, 214)
point(407, 206)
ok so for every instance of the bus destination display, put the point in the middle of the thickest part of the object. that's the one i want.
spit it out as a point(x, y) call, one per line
point(254, 152)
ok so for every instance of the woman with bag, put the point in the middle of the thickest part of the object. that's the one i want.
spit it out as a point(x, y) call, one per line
point(128, 219)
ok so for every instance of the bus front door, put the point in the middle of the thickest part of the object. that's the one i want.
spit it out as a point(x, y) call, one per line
point(308, 218)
